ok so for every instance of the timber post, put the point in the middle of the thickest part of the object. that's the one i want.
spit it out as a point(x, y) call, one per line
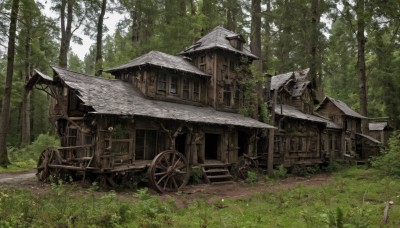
point(271, 136)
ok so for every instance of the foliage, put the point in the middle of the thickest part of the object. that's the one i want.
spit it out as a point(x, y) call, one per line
point(304, 170)
point(389, 161)
point(26, 157)
point(196, 176)
point(281, 172)
point(251, 177)
point(352, 198)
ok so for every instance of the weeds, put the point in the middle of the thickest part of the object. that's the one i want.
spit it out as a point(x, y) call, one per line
point(353, 198)
point(281, 172)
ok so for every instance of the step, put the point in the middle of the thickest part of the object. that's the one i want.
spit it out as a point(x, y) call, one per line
point(212, 165)
point(217, 171)
point(219, 176)
point(223, 182)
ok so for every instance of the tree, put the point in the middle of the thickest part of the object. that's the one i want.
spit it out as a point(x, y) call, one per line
point(29, 13)
point(362, 79)
point(99, 40)
point(5, 109)
point(68, 9)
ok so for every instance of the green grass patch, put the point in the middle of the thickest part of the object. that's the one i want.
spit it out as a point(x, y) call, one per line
point(353, 198)
point(26, 158)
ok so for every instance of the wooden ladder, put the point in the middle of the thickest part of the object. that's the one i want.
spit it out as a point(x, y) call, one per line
point(216, 173)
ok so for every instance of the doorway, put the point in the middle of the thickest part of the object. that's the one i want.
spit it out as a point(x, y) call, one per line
point(180, 143)
point(211, 146)
point(242, 143)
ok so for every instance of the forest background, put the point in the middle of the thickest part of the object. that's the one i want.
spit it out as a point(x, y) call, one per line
point(351, 47)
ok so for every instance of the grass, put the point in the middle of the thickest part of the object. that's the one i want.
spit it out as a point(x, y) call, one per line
point(26, 158)
point(353, 198)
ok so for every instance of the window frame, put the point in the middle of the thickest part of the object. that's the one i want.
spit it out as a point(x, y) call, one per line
point(162, 82)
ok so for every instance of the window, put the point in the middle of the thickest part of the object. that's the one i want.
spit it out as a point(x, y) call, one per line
point(239, 45)
point(196, 90)
point(203, 67)
point(162, 82)
point(237, 93)
point(185, 89)
point(202, 64)
point(300, 144)
point(293, 144)
point(227, 95)
point(173, 88)
point(146, 144)
point(202, 59)
point(232, 66)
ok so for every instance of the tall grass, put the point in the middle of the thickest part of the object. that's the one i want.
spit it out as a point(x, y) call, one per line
point(27, 157)
point(353, 198)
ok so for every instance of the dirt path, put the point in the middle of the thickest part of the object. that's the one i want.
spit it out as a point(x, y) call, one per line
point(208, 193)
point(18, 177)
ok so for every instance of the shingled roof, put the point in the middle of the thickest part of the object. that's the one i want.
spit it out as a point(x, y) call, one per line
point(115, 97)
point(219, 38)
point(160, 59)
point(280, 80)
point(290, 111)
point(342, 106)
point(378, 126)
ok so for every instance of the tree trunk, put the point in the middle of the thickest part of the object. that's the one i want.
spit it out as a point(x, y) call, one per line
point(314, 44)
point(5, 110)
point(26, 104)
point(136, 22)
point(284, 50)
point(255, 47)
point(66, 31)
point(231, 11)
point(361, 40)
point(266, 60)
point(99, 51)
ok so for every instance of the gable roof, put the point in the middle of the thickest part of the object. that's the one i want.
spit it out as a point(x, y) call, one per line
point(379, 126)
point(219, 38)
point(342, 106)
point(157, 58)
point(280, 80)
point(116, 97)
point(290, 111)
point(38, 78)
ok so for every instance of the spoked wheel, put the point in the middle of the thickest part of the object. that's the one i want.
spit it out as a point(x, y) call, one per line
point(169, 171)
point(42, 167)
point(244, 165)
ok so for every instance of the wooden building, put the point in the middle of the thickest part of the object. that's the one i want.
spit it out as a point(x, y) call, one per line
point(161, 114)
point(299, 139)
point(352, 142)
point(380, 131)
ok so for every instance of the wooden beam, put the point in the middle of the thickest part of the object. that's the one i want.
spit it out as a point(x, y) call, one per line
point(271, 136)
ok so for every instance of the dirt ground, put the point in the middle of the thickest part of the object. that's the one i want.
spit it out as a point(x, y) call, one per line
point(191, 193)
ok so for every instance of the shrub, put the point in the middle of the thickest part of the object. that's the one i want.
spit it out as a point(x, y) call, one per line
point(251, 177)
point(389, 161)
point(281, 172)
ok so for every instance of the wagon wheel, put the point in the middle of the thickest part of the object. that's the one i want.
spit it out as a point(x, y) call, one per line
point(169, 171)
point(42, 166)
point(55, 159)
point(244, 165)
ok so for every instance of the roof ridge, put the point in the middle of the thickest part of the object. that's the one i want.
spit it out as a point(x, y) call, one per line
point(84, 75)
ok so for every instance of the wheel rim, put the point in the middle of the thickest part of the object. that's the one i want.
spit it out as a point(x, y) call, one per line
point(169, 171)
point(244, 165)
point(42, 166)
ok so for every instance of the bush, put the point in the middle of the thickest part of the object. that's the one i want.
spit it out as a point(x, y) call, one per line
point(28, 156)
point(281, 172)
point(389, 161)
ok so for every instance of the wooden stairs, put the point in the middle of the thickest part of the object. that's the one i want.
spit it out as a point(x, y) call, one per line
point(216, 173)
